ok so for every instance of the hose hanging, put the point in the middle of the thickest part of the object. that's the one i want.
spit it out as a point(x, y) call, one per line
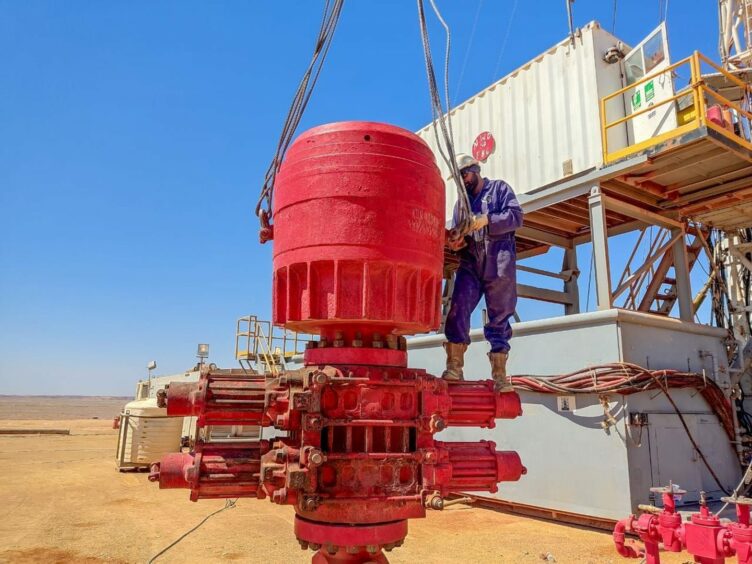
point(330, 18)
point(442, 118)
point(626, 378)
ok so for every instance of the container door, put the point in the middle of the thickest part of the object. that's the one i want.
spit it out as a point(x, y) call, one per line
point(721, 454)
point(648, 59)
point(672, 457)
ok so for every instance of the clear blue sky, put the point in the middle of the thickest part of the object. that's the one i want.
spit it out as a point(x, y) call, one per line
point(135, 136)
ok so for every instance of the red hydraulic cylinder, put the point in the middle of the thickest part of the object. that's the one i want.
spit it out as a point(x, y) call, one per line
point(476, 404)
point(214, 471)
point(218, 399)
point(475, 467)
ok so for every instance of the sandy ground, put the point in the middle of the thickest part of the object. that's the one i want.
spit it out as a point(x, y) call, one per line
point(62, 500)
point(57, 407)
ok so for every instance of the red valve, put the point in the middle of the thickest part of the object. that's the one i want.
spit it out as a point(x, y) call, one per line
point(704, 536)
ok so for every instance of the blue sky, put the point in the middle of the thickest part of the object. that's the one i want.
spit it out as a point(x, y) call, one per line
point(135, 136)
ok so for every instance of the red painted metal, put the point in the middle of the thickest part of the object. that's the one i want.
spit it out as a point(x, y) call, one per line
point(214, 470)
point(737, 538)
point(704, 536)
point(624, 549)
point(471, 467)
point(358, 253)
point(700, 537)
point(347, 543)
point(659, 526)
point(351, 355)
point(218, 399)
point(358, 233)
point(483, 146)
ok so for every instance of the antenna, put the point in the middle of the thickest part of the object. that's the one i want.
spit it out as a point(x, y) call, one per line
point(571, 19)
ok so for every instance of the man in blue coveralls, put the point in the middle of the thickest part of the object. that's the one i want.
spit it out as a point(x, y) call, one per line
point(487, 268)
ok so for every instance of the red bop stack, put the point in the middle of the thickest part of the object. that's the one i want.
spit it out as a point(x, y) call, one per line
point(358, 257)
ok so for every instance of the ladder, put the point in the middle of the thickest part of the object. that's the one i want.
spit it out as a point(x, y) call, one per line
point(451, 263)
point(661, 294)
point(261, 347)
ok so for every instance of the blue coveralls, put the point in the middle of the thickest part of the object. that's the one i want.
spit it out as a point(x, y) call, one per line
point(488, 268)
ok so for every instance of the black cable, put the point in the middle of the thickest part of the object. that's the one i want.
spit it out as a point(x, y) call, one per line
point(722, 308)
point(229, 504)
point(746, 237)
point(744, 417)
point(626, 378)
point(441, 120)
point(664, 389)
point(329, 21)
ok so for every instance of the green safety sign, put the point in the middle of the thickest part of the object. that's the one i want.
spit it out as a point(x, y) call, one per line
point(649, 91)
point(636, 99)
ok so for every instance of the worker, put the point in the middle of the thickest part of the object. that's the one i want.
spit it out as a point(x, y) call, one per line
point(487, 268)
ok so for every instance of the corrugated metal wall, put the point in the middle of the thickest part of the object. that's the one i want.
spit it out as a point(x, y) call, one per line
point(542, 115)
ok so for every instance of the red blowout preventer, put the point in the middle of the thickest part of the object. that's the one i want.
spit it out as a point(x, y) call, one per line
point(358, 255)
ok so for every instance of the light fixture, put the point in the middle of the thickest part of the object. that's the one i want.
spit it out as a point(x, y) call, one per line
point(151, 366)
point(203, 351)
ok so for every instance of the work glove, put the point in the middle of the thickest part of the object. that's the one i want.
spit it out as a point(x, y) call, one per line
point(456, 245)
point(453, 244)
point(479, 222)
point(451, 258)
point(451, 262)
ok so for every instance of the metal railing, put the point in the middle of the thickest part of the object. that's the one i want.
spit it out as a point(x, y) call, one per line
point(260, 342)
point(700, 93)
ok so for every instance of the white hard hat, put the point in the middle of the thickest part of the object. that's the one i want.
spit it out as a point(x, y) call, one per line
point(464, 160)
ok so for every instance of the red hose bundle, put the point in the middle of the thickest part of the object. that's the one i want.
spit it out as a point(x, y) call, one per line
point(625, 378)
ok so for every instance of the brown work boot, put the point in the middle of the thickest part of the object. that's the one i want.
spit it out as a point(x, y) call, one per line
point(499, 371)
point(455, 361)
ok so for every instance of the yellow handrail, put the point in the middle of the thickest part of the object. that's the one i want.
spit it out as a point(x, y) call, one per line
point(645, 110)
point(696, 71)
point(743, 85)
point(263, 344)
point(646, 79)
point(266, 352)
point(698, 90)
